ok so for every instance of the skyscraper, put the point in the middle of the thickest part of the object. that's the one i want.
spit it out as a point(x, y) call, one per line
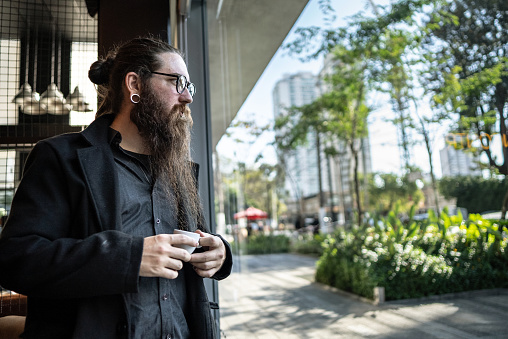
point(301, 164)
point(455, 162)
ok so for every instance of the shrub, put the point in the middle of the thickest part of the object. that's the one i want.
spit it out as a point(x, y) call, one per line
point(262, 244)
point(418, 258)
point(308, 244)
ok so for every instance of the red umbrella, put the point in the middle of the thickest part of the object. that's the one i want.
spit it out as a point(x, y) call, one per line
point(251, 213)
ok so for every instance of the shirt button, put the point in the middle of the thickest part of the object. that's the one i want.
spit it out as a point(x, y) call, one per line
point(168, 337)
point(165, 297)
point(158, 221)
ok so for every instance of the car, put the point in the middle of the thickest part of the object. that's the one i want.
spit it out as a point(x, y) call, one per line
point(491, 215)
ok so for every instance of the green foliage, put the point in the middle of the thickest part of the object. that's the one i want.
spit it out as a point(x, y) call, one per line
point(256, 186)
point(468, 74)
point(386, 189)
point(443, 254)
point(308, 244)
point(263, 244)
point(340, 114)
point(267, 244)
point(456, 51)
point(476, 194)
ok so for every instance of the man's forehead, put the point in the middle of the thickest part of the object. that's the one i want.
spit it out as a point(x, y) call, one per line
point(173, 63)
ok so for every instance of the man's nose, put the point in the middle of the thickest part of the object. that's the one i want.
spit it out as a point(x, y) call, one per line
point(186, 97)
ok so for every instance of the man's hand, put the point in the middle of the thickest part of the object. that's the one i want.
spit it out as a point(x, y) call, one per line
point(207, 263)
point(160, 256)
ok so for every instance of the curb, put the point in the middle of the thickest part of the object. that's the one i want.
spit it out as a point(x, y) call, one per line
point(432, 298)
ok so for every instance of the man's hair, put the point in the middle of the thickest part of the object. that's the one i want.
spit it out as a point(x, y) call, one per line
point(139, 55)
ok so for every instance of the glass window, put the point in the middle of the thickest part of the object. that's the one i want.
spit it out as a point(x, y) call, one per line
point(45, 53)
point(348, 179)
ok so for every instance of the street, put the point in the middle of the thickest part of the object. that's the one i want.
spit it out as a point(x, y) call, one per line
point(274, 296)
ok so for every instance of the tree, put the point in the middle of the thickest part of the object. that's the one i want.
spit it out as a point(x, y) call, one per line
point(423, 129)
point(395, 79)
point(345, 106)
point(400, 58)
point(258, 185)
point(386, 189)
point(461, 48)
point(339, 114)
point(469, 73)
point(387, 44)
point(475, 194)
point(294, 129)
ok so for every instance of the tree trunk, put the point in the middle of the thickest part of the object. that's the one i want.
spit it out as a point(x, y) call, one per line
point(432, 176)
point(500, 104)
point(428, 147)
point(501, 97)
point(330, 188)
point(504, 208)
point(320, 179)
point(354, 154)
point(338, 162)
point(404, 142)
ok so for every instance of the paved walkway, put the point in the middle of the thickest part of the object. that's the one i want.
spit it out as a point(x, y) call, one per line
point(274, 296)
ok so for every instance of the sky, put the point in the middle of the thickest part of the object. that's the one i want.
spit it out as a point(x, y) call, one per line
point(383, 135)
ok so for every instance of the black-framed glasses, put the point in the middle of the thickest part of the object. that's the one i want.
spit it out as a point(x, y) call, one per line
point(181, 83)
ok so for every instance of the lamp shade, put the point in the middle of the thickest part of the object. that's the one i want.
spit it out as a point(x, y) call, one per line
point(77, 101)
point(54, 100)
point(34, 108)
point(29, 101)
point(24, 95)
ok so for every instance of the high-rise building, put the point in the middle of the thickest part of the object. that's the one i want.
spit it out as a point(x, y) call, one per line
point(302, 164)
point(455, 162)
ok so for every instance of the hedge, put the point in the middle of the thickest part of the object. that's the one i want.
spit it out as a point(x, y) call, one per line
point(443, 254)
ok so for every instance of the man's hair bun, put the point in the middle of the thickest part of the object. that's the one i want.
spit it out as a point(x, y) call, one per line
point(99, 71)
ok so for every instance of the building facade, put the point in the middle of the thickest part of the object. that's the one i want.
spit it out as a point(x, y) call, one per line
point(300, 164)
point(456, 162)
point(309, 174)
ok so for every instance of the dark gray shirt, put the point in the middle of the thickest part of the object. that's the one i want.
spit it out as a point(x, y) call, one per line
point(159, 308)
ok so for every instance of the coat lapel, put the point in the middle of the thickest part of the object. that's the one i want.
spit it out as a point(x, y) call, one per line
point(99, 170)
point(98, 167)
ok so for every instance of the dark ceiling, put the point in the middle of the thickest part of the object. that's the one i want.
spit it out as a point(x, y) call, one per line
point(243, 36)
point(67, 16)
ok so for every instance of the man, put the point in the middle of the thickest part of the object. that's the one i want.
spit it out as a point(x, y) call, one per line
point(89, 236)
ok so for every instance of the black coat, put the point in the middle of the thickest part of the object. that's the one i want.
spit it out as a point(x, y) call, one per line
point(63, 248)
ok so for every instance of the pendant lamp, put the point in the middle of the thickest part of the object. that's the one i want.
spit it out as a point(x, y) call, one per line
point(77, 101)
point(27, 99)
point(54, 101)
point(52, 97)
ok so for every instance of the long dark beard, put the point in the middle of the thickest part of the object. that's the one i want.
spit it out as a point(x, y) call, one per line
point(167, 138)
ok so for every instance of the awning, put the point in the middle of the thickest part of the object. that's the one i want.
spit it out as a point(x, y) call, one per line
point(251, 213)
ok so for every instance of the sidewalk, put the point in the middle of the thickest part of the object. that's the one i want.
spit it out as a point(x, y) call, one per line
point(273, 296)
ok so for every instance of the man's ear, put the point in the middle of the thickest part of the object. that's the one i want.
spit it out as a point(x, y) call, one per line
point(133, 83)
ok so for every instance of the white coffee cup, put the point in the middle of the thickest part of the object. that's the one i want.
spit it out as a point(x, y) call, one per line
point(193, 235)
